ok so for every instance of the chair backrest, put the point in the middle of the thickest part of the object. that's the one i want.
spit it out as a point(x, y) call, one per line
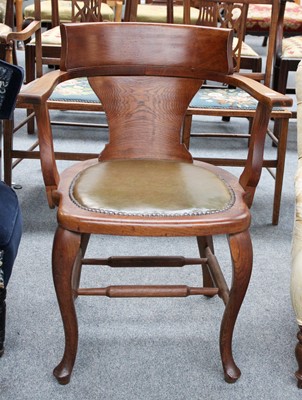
point(280, 29)
point(131, 10)
point(145, 85)
point(11, 78)
point(7, 12)
point(233, 14)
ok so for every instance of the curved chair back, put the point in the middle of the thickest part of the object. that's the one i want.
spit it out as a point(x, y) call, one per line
point(185, 63)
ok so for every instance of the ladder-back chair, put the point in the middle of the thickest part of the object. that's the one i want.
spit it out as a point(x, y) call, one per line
point(67, 97)
point(81, 11)
point(232, 102)
point(288, 53)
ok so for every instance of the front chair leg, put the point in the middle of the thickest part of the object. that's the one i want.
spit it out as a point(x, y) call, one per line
point(242, 258)
point(66, 248)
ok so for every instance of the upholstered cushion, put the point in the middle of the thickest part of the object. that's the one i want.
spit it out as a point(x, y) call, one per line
point(65, 11)
point(79, 90)
point(50, 37)
point(292, 47)
point(75, 90)
point(259, 18)
point(2, 10)
point(4, 29)
point(224, 98)
point(158, 13)
point(246, 50)
point(150, 188)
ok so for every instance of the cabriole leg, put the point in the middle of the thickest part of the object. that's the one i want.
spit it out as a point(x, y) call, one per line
point(242, 258)
point(66, 248)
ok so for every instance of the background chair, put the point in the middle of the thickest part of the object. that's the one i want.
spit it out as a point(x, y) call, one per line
point(68, 96)
point(149, 11)
point(8, 41)
point(11, 78)
point(288, 54)
point(158, 11)
point(146, 181)
point(258, 20)
point(80, 11)
point(196, 12)
point(8, 36)
point(230, 102)
point(65, 12)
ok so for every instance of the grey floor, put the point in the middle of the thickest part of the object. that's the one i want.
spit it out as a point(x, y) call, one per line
point(136, 349)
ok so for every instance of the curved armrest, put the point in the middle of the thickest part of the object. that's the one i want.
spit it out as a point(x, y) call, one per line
point(259, 91)
point(35, 95)
point(39, 90)
point(23, 35)
point(26, 33)
point(267, 100)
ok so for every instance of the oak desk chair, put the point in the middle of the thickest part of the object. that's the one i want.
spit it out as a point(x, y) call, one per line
point(145, 182)
point(232, 102)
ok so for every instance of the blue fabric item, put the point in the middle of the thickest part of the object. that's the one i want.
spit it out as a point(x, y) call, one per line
point(10, 228)
point(224, 98)
point(75, 90)
point(11, 78)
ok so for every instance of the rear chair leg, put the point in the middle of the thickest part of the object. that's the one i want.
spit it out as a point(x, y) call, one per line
point(203, 242)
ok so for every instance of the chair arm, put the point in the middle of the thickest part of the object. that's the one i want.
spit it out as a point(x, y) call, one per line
point(35, 95)
point(26, 33)
point(259, 91)
point(39, 90)
point(267, 99)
